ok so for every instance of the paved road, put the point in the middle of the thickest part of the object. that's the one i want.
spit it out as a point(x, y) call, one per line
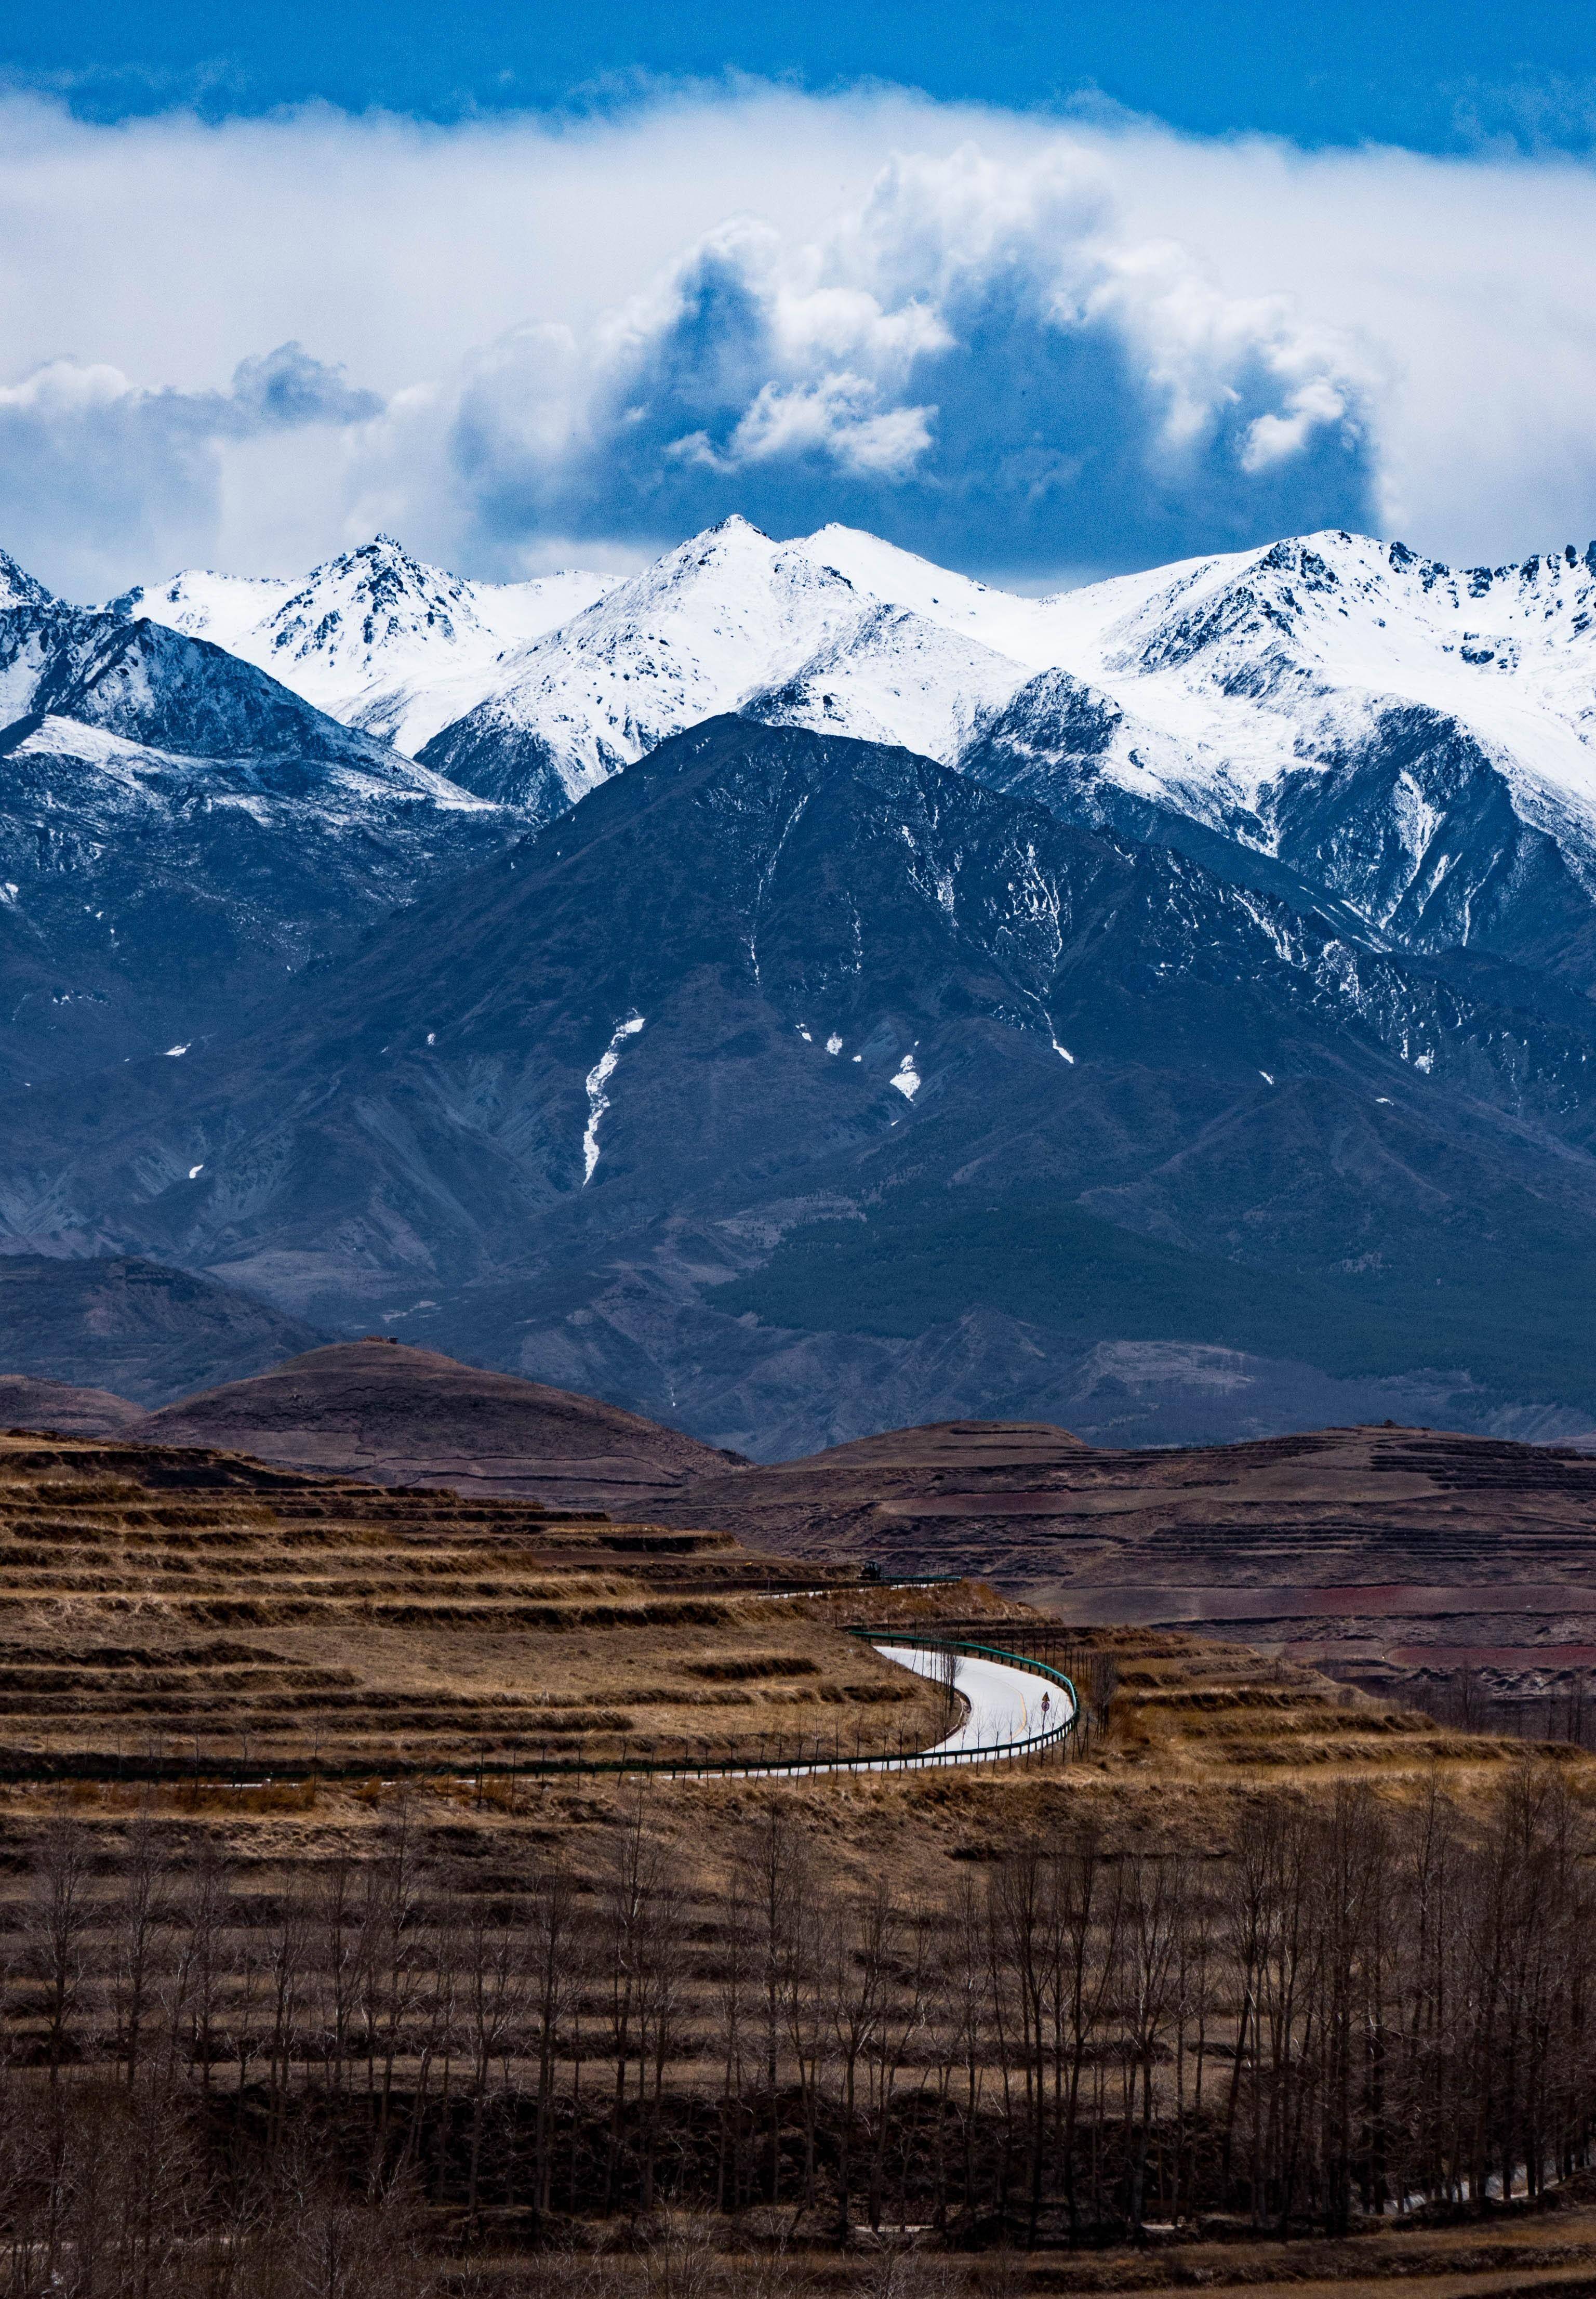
point(1005, 1706)
point(1005, 1703)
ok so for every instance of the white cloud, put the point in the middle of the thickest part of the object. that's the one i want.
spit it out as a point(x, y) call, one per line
point(1002, 336)
point(93, 466)
point(977, 350)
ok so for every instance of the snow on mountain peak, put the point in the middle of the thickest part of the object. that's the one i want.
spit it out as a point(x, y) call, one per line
point(727, 621)
point(18, 587)
point(367, 603)
point(375, 636)
point(1233, 675)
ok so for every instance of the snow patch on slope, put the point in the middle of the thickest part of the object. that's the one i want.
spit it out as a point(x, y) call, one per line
point(597, 1100)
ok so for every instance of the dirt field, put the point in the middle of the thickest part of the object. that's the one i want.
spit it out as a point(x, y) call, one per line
point(277, 1896)
point(1523, 2252)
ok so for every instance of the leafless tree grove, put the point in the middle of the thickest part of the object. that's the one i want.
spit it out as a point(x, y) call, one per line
point(1360, 2004)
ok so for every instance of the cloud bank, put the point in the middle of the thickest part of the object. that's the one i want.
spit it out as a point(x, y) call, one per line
point(93, 467)
point(978, 354)
point(1032, 349)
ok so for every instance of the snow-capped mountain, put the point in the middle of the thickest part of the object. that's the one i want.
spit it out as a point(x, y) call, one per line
point(178, 833)
point(18, 588)
point(1416, 741)
point(1331, 718)
point(375, 637)
point(853, 1042)
point(1405, 742)
point(728, 621)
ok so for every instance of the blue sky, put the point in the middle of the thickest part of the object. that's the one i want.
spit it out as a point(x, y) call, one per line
point(1428, 76)
point(1044, 293)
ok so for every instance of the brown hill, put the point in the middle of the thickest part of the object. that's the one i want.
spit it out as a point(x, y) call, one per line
point(26, 1403)
point(1382, 1553)
point(377, 1409)
point(168, 1609)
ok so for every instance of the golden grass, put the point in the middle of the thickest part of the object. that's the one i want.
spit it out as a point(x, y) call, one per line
point(163, 1612)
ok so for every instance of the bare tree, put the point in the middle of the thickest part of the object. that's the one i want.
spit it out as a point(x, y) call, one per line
point(55, 1929)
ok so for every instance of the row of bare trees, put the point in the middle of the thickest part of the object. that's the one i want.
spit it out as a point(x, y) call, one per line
point(1470, 1700)
point(1356, 2004)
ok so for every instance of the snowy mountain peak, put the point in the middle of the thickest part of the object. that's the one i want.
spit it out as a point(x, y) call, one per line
point(1353, 607)
point(201, 604)
point(18, 587)
point(1242, 691)
point(728, 620)
point(368, 603)
point(735, 527)
point(375, 636)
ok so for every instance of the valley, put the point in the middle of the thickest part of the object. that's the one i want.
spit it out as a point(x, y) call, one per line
point(1455, 1573)
point(363, 1820)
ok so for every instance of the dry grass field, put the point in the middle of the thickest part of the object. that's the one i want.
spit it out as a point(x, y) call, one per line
point(1388, 1557)
point(1551, 2252)
point(164, 1610)
point(279, 1873)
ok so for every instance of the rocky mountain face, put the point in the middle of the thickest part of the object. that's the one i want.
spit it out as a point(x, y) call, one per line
point(780, 1035)
point(1405, 738)
point(1166, 1005)
point(179, 832)
point(74, 1329)
point(375, 637)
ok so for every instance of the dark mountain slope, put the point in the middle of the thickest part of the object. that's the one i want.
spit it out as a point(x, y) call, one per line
point(26, 1403)
point(146, 1332)
point(178, 832)
point(767, 980)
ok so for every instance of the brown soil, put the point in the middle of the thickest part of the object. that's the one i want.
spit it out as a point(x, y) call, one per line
point(1524, 2250)
point(1553, 2252)
point(164, 1609)
point(377, 1409)
point(26, 1403)
point(1379, 1553)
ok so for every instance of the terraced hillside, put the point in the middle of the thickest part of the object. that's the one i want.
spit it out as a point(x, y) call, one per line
point(1387, 1556)
point(562, 2003)
point(183, 1612)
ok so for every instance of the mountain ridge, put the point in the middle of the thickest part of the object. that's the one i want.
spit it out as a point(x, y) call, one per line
point(354, 635)
point(1198, 962)
point(178, 831)
point(767, 982)
point(1343, 715)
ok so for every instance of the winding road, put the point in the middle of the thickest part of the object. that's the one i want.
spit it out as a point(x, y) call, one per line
point(1005, 1703)
point(1005, 1718)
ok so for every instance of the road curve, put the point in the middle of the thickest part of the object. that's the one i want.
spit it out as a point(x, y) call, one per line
point(1004, 1704)
point(1004, 1718)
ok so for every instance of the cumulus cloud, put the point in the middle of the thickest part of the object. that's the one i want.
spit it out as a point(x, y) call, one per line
point(980, 350)
point(286, 388)
point(93, 467)
point(1029, 347)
